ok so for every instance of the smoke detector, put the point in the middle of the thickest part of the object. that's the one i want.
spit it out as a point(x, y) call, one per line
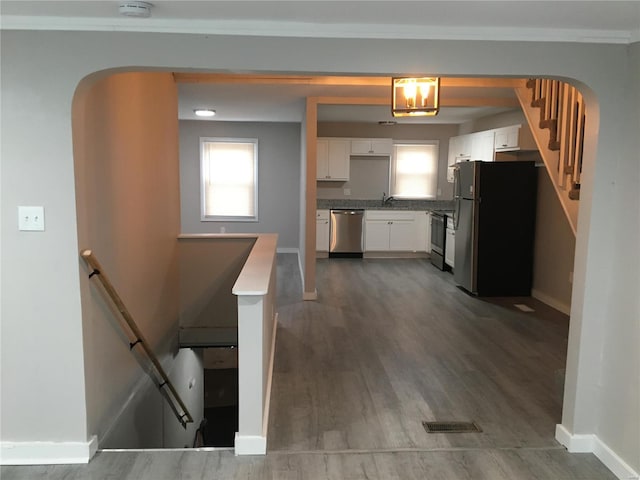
point(135, 9)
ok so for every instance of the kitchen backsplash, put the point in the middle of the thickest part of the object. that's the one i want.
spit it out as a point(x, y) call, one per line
point(393, 204)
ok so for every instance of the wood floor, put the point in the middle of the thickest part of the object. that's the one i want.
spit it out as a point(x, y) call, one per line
point(389, 344)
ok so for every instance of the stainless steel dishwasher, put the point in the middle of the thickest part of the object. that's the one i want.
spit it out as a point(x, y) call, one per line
point(346, 239)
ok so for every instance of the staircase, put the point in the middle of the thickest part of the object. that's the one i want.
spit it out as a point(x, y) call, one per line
point(556, 115)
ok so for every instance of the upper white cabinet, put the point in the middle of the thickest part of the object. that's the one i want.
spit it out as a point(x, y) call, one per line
point(371, 146)
point(482, 146)
point(514, 137)
point(473, 146)
point(459, 148)
point(333, 159)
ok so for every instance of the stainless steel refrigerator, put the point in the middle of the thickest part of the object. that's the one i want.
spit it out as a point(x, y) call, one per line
point(494, 219)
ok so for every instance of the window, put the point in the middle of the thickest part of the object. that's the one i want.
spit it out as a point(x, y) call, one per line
point(414, 170)
point(229, 179)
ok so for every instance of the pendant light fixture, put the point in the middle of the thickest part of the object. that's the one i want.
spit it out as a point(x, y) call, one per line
point(415, 96)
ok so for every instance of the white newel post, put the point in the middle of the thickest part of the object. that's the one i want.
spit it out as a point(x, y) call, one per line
point(257, 320)
point(249, 438)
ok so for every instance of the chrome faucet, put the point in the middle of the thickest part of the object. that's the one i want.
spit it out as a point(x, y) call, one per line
point(385, 199)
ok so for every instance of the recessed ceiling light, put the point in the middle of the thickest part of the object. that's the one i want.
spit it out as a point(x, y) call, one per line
point(135, 8)
point(204, 112)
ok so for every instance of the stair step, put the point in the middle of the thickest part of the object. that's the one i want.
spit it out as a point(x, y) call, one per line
point(574, 193)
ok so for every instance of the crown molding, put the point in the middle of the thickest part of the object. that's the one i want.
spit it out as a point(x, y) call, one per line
point(315, 30)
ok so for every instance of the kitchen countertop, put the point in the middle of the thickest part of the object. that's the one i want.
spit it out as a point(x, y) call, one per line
point(425, 205)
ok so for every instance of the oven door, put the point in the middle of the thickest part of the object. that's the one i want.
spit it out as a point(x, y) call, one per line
point(437, 233)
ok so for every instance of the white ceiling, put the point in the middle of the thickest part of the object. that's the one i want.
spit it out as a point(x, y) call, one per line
point(581, 21)
point(286, 103)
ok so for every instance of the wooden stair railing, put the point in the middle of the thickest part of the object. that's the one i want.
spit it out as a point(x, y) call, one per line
point(556, 115)
point(562, 112)
point(163, 382)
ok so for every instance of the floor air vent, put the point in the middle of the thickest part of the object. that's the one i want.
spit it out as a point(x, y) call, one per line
point(451, 427)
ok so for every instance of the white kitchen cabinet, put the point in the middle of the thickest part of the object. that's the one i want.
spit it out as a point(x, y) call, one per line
point(390, 230)
point(422, 232)
point(460, 146)
point(402, 236)
point(376, 235)
point(322, 230)
point(459, 150)
point(513, 138)
point(482, 144)
point(450, 244)
point(333, 159)
point(371, 146)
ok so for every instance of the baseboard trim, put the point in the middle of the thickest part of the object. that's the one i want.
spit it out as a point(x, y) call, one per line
point(552, 302)
point(588, 443)
point(574, 443)
point(47, 453)
point(250, 444)
point(619, 467)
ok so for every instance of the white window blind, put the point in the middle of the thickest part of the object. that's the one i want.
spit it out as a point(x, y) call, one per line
point(229, 171)
point(414, 170)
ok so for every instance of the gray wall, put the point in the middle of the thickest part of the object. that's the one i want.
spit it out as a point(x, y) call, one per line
point(278, 182)
point(554, 247)
point(42, 357)
point(370, 187)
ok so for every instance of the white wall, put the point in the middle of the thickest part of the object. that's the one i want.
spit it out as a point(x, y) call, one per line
point(126, 156)
point(278, 182)
point(602, 361)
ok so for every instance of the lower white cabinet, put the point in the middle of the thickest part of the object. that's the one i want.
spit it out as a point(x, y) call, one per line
point(423, 232)
point(450, 244)
point(322, 230)
point(390, 230)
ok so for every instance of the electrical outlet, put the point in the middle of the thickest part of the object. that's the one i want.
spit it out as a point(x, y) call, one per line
point(347, 191)
point(31, 219)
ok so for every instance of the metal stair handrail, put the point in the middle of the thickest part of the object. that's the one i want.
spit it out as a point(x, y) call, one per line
point(184, 417)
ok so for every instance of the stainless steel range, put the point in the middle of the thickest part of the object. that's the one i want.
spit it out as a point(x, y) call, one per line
point(438, 238)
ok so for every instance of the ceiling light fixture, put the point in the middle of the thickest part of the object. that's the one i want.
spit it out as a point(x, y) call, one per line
point(134, 8)
point(415, 97)
point(204, 112)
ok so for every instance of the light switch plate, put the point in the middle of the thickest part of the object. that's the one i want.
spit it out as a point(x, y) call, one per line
point(31, 219)
point(347, 191)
